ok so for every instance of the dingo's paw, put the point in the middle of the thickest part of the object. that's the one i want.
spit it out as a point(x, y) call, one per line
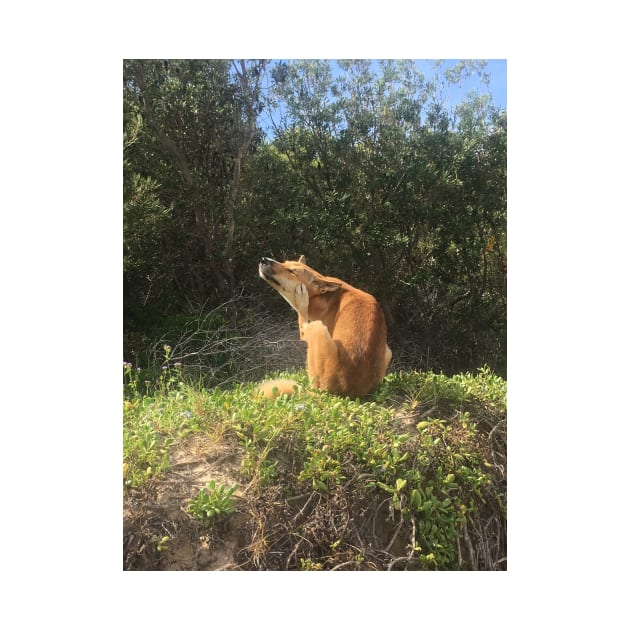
point(301, 300)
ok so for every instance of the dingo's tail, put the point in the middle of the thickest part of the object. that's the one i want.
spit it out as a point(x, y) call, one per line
point(272, 389)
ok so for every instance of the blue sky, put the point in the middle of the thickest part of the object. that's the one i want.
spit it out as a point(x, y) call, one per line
point(496, 68)
point(498, 81)
point(453, 95)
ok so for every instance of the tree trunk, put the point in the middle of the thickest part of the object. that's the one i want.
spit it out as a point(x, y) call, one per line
point(250, 94)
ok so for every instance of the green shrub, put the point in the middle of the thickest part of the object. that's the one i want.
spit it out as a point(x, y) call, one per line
point(419, 468)
point(213, 502)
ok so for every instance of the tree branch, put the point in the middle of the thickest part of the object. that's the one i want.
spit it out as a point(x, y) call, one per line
point(167, 142)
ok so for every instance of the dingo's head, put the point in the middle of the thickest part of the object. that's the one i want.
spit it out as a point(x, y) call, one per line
point(287, 276)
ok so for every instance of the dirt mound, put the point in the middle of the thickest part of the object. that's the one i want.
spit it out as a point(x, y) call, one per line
point(159, 509)
point(269, 531)
point(284, 520)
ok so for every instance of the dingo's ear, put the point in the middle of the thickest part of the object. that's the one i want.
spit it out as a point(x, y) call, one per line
point(302, 260)
point(323, 285)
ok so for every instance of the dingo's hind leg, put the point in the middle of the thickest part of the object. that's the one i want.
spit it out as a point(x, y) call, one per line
point(388, 357)
point(322, 355)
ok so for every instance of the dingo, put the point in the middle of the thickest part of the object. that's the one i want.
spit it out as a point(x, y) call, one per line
point(344, 329)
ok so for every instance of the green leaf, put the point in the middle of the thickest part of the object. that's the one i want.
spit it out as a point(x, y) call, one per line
point(416, 498)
